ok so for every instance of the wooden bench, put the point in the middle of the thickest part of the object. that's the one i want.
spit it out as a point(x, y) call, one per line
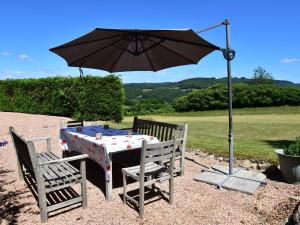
point(49, 172)
point(164, 132)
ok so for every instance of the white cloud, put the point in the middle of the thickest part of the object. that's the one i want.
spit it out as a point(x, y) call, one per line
point(23, 56)
point(290, 60)
point(6, 53)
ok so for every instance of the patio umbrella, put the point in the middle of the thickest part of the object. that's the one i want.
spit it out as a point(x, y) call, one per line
point(117, 50)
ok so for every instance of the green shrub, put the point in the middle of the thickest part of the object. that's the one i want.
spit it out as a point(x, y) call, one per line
point(147, 106)
point(89, 98)
point(293, 149)
point(244, 95)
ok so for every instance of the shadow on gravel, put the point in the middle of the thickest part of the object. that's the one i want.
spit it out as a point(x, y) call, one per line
point(273, 173)
point(10, 207)
point(96, 175)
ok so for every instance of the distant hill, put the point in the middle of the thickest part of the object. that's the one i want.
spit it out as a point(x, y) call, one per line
point(168, 91)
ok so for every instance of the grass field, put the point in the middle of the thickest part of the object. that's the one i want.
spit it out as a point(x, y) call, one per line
point(257, 131)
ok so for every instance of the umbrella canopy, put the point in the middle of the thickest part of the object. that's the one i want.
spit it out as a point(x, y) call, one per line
point(117, 50)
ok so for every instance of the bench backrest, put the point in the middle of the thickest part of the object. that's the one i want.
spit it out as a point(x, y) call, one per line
point(26, 156)
point(163, 131)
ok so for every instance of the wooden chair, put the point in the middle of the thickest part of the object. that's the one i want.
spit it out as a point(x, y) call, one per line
point(150, 168)
point(165, 132)
point(49, 172)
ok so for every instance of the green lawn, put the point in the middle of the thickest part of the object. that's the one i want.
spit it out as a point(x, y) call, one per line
point(257, 131)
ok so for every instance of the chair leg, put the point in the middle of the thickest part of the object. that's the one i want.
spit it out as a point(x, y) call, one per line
point(124, 188)
point(83, 183)
point(181, 172)
point(141, 200)
point(171, 190)
point(42, 205)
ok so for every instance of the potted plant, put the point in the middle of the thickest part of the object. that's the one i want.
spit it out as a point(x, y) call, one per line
point(289, 162)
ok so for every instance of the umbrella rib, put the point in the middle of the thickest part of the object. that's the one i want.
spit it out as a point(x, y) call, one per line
point(117, 59)
point(149, 59)
point(94, 52)
point(176, 53)
point(186, 42)
point(85, 42)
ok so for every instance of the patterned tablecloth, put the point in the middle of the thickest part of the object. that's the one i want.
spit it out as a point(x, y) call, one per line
point(113, 140)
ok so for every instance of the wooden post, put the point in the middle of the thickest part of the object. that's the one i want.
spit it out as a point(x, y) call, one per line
point(182, 161)
point(124, 188)
point(39, 182)
point(108, 183)
point(141, 181)
point(19, 166)
point(134, 124)
point(83, 183)
point(48, 145)
point(171, 172)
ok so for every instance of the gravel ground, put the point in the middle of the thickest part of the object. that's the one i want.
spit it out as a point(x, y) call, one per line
point(195, 202)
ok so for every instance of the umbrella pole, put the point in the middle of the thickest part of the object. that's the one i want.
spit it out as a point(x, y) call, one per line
point(230, 132)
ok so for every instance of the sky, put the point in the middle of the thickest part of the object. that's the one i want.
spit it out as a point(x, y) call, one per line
point(263, 33)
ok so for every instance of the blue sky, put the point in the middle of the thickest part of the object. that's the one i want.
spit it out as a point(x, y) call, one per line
point(264, 33)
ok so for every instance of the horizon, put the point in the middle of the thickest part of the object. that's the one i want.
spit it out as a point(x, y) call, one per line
point(262, 36)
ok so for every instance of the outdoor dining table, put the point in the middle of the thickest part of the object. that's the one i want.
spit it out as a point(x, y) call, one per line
point(83, 140)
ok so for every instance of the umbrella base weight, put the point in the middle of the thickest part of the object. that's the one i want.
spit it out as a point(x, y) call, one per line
point(241, 180)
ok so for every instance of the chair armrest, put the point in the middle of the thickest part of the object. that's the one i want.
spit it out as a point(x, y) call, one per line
point(73, 158)
point(39, 139)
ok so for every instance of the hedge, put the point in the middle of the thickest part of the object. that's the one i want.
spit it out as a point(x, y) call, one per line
point(88, 98)
point(244, 95)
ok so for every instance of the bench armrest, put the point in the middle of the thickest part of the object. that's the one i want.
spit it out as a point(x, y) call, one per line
point(73, 158)
point(39, 139)
point(48, 139)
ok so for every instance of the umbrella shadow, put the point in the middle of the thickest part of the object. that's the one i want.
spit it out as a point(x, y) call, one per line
point(11, 205)
point(150, 196)
point(96, 175)
point(278, 143)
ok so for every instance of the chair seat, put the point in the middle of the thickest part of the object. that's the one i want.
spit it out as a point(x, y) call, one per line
point(150, 169)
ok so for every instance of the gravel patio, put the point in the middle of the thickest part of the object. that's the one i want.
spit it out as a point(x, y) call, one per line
point(195, 202)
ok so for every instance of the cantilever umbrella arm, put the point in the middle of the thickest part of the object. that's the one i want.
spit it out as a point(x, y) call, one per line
point(229, 55)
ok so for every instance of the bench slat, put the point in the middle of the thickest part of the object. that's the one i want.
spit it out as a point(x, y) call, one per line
point(72, 173)
point(48, 169)
point(64, 175)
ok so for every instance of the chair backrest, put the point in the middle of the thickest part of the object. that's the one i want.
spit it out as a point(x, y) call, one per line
point(160, 152)
point(26, 155)
point(163, 131)
point(72, 123)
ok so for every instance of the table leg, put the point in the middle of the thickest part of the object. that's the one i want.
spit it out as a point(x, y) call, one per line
point(108, 184)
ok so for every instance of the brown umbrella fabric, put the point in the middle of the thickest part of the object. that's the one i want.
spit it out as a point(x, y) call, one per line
point(116, 50)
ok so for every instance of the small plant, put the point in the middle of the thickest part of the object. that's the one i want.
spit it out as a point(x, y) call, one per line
point(294, 148)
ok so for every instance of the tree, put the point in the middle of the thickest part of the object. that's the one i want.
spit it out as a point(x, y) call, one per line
point(261, 76)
